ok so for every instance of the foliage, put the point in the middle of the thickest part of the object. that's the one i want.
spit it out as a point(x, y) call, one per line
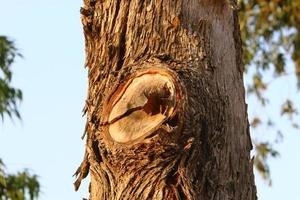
point(22, 185)
point(265, 150)
point(9, 96)
point(18, 186)
point(271, 35)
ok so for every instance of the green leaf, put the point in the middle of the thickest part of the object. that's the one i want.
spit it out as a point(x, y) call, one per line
point(9, 96)
point(2, 182)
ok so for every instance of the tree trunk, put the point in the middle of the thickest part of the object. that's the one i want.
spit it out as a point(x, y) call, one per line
point(166, 112)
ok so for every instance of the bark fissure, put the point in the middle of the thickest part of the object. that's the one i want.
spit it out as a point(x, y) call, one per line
point(122, 40)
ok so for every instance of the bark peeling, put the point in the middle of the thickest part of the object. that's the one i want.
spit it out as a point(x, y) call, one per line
point(173, 67)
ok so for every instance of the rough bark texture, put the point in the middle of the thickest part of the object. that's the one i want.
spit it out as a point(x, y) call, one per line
point(191, 136)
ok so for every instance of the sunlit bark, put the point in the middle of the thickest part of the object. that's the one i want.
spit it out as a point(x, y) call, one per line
point(166, 112)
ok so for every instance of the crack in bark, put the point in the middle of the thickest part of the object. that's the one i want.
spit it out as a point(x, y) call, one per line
point(153, 106)
point(122, 40)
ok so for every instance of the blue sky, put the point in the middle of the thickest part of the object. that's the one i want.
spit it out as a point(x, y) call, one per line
point(54, 82)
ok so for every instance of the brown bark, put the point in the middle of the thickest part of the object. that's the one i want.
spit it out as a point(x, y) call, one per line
point(166, 112)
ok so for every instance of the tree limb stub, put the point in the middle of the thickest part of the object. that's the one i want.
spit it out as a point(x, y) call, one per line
point(141, 105)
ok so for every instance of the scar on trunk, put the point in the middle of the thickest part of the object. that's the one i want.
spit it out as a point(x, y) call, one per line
point(141, 105)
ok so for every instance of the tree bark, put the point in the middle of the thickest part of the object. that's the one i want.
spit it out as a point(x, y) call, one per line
point(166, 112)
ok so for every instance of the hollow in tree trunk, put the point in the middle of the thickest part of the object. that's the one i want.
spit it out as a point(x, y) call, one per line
point(166, 112)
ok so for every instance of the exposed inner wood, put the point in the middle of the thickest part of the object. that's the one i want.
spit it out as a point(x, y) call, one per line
point(143, 105)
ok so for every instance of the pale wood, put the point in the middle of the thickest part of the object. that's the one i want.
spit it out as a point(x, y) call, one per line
point(143, 105)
